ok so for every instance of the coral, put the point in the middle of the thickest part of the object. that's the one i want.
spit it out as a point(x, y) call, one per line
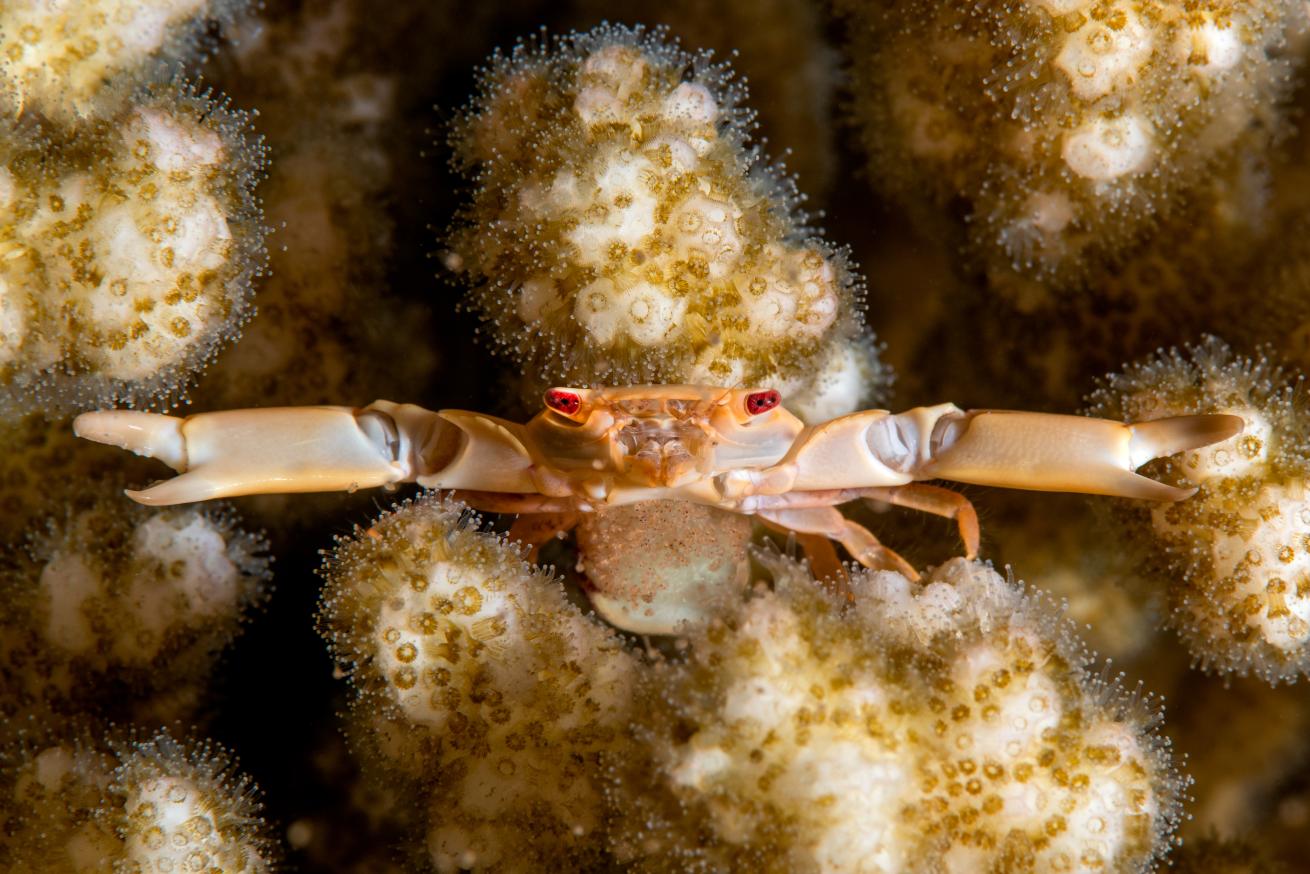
point(125, 804)
point(1239, 763)
point(1047, 536)
point(476, 678)
point(123, 606)
point(954, 725)
point(621, 230)
point(1055, 211)
point(326, 319)
point(130, 245)
point(1233, 559)
point(1064, 128)
point(77, 58)
point(43, 465)
point(779, 48)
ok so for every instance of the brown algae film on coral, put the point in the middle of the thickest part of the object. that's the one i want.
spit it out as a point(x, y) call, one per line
point(129, 247)
point(951, 725)
point(622, 230)
point(69, 59)
point(123, 606)
point(1234, 560)
point(478, 681)
point(77, 802)
point(1062, 128)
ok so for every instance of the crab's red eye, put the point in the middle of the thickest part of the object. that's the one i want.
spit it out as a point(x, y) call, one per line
point(762, 401)
point(565, 402)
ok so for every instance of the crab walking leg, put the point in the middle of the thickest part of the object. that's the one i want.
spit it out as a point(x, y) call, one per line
point(829, 522)
point(314, 449)
point(819, 551)
point(535, 530)
point(939, 502)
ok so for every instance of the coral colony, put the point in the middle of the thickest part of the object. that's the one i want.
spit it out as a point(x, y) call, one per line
point(1076, 206)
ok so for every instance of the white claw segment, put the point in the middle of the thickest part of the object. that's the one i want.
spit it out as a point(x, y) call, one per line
point(1045, 452)
point(260, 451)
point(148, 434)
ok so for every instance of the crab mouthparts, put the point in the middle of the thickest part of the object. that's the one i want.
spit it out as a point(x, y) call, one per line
point(662, 453)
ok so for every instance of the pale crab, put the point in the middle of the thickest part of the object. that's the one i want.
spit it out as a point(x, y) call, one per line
point(734, 449)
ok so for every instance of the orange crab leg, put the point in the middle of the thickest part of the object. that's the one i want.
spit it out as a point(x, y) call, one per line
point(535, 530)
point(939, 502)
point(858, 540)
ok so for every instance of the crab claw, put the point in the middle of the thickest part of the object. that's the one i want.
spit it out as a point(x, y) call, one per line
point(1046, 452)
point(148, 434)
point(246, 452)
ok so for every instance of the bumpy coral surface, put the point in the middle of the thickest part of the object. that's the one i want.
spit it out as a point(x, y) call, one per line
point(123, 606)
point(72, 805)
point(950, 725)
point(69, 58)
point(621, 230)
point(778, 47)
point(477, 679)
point(1064, 126)
point(1233, 558)
point(129, 247)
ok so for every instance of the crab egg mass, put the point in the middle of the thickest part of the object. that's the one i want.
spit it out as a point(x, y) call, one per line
point(622, 231)
point(1233, 559)
point(654, 566)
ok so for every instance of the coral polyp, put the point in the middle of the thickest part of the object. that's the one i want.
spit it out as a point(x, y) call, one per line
point(77, 58)
point(953, 725)
point(1064, 128)
point(1233, 560)
point(621, 228)
point(479, 683)
point(130, 245)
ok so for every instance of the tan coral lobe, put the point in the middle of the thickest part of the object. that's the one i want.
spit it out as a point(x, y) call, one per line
point(621, 230)
point(130, 247)
point(951, 724)
point(1065, 129)
point(477, 680)
point(1233, 560)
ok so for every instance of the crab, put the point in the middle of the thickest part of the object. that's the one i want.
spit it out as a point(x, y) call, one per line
point(731, 448)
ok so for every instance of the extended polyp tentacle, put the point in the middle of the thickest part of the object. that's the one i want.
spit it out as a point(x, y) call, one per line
point(1046, 452)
